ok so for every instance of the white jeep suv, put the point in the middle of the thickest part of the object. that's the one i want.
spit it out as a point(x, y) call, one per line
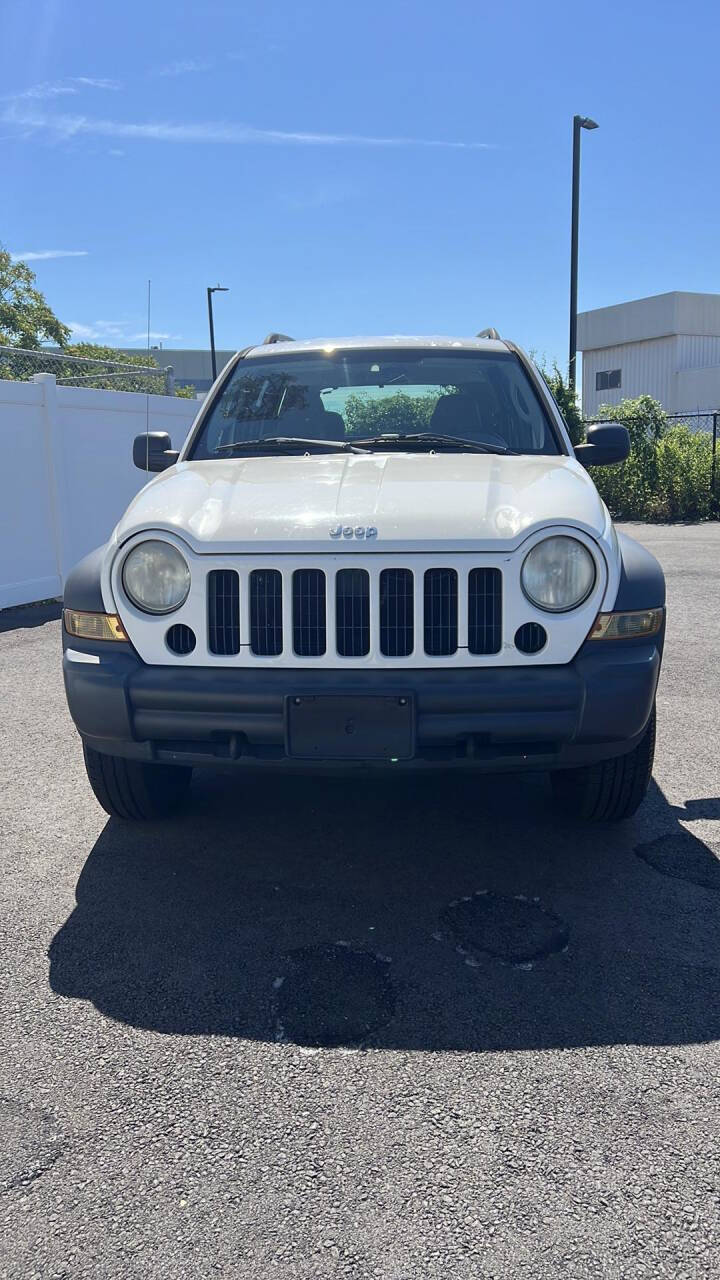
point(375, 553)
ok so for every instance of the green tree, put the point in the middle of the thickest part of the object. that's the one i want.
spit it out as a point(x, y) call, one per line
point(668, 473)
point(110, 379)
point(565, 399)
point(395, 413)
point(94, 351)
point(114, 379)
point(645, 419)
point(26, 318)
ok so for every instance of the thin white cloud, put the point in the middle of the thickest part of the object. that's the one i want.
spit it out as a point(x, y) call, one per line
point(154, 337)
point(48, 89)
point(185, 67)
point(100, 330)
point(42, 255)
point(82, 332)
point(59, 88)
point(116, 333)
point(94, 82)
point(65, 126)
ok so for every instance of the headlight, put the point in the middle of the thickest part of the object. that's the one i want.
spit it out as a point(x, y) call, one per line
point(558, 574)
point(156, 577)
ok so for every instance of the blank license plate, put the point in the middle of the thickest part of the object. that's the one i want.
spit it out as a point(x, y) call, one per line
point(350, 727)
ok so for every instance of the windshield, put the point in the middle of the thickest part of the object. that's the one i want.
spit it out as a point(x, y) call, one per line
point(472, 398)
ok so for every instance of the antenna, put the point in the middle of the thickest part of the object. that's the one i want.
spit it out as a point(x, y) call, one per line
point(147, 393)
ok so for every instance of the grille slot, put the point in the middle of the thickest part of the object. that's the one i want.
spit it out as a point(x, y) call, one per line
point(266, 628)
point(309, 627)
point(441, 611)
point(223, 611)
point(396, 613)
point(484, 611)
point(352, 610)
point(287, 612)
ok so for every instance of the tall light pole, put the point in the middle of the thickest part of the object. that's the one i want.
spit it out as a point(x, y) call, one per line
point(579, 123)
point(216, 288)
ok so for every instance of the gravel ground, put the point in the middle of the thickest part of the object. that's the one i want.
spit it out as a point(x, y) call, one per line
point(319, 1029)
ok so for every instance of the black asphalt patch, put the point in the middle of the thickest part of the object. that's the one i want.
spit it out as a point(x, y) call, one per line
point(514, 930)
point(683, 857)
point(333, 995)
point(31, 1143)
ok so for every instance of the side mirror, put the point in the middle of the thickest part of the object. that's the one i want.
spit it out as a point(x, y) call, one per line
point(152, 451)
point(605, 444)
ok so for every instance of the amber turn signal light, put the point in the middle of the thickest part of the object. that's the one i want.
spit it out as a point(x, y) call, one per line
point(627, 626)
point(93, 626)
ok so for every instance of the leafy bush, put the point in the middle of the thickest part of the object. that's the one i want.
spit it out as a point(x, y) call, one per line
point(565, 399)
point(365, 417)
point(668, 473)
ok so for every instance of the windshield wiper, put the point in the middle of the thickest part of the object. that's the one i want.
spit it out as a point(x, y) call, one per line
point(433, 442)
point(291, 444)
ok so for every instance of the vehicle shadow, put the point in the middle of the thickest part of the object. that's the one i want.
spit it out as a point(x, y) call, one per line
point(20, 617)
point(443, 914)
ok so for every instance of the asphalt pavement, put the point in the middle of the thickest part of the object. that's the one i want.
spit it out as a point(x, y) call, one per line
point(396, 1029)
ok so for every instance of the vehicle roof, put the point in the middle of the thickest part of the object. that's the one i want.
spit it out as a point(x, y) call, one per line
point(397, 342)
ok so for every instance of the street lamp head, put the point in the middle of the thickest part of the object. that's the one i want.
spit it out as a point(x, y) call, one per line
point(218, 288)
point(587, 123)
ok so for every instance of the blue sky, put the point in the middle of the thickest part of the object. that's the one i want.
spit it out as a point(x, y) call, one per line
point(377, 167)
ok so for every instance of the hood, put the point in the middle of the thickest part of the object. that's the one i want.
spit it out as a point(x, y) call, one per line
point(462, 501)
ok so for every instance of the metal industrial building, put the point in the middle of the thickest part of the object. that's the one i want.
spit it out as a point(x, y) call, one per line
point(667, 347)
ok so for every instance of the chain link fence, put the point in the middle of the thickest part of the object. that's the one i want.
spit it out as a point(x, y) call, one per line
point(131, 374)
point(706, 423)
point(695, 421)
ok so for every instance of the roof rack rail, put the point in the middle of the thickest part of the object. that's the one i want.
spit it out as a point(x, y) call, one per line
point(276, 337)
point(487, 333)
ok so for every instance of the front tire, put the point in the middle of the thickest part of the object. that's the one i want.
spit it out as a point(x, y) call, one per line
point(133, 790)
point(610, 790)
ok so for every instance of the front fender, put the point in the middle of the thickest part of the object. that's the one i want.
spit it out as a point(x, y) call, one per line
point(83, 589)
point(642, 581)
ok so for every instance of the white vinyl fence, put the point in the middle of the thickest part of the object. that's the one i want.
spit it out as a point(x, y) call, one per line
point(66, 474)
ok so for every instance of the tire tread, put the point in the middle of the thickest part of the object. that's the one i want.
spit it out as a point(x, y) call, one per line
point(610, 790)
point(133, 790)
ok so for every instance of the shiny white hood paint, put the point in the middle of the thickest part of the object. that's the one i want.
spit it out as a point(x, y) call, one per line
point(415, 501)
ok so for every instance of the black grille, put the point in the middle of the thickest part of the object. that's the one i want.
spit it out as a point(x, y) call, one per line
point(396, 613)
point(266, 629)
point(530, 638)
point(223, 611)
point(352, 608)
point(309, 638)
point(180, 639)
point(484, 611)
point(441, 611)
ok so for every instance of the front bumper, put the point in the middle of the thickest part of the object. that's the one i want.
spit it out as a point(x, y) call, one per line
point(501, 718)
